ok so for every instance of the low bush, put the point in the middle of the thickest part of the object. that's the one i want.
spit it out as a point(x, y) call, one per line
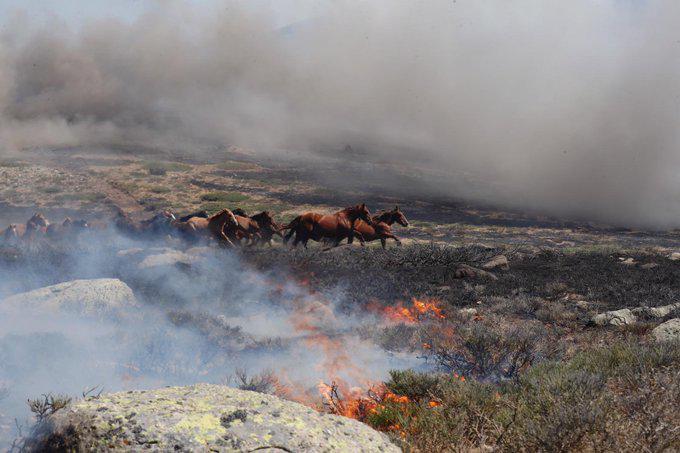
point(620, 397)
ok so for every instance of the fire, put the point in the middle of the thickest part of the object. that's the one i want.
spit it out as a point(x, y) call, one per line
point(419, 310)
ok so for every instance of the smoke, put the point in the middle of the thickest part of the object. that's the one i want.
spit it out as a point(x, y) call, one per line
point(570, 108)
point(200, 319)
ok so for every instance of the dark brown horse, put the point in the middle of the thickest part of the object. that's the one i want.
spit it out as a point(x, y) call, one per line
point(219, 226)
point(317, 227)
point(68, 228)
point(380, 226)
point(268, 227)
point(258, 228)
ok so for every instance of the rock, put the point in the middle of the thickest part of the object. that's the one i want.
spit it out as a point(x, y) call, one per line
point(649, 266)
point(615, 318)
point(675, 256)
point(468, 312)
point(656, 312)
point(465, 271)
point(500, 261)
point(167, 258)
point(103, 297)
point(201, 417)
point(667, 331)
point(628, 261)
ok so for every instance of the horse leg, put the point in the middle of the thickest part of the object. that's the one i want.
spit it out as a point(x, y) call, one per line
point(391, 236)
point(383, 241)
point(354, 233)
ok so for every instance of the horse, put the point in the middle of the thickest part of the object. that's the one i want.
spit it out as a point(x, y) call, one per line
point(380, 226)
point(27, 231)
point(317, 227)
point(203, 214)
point(67, 228)
point(10, 236)
point(259, 227)
point(268, 227)
point(160, 223)
point(218, 226)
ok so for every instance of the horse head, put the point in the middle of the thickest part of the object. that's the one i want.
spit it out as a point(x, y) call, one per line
point(360, 211)
point(38, 220)
point(399, 217)
point(81, 224)
point(228, 216)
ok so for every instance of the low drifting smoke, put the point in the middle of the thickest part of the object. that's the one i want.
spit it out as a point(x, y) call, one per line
point(566, 107)
point(204, 319)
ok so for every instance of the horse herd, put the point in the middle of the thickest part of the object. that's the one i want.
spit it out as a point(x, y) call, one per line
point(226, 227)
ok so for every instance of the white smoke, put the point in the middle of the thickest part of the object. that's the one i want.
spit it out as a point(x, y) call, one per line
point(566, 107)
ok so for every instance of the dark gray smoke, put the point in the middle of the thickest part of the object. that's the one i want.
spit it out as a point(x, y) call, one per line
point(567, 107)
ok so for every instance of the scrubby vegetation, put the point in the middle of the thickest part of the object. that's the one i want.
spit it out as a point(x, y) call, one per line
point(619, 397)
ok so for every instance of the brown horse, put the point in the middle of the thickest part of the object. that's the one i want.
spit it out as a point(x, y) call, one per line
point(317, 227)
point(268, 227)
point(36, 224)
point(219, 226)
point(380, 226)
point(256, 228)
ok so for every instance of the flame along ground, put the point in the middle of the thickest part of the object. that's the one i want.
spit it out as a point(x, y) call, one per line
point(338, 396)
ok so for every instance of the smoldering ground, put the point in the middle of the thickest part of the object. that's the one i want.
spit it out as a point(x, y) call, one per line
point(569, 108)
point(201, 320)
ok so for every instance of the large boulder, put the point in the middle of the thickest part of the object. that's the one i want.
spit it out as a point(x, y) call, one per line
point(201, 417)
point(99, 298)
point(615, 318)
point(667, 331)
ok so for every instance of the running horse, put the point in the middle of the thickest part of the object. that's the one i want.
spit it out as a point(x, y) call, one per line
point(219, 226)
point(380, 226)
point(259, 227)
point(37, 223)
point(318, 227)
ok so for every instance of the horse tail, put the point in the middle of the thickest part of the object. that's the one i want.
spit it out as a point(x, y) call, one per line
point(292, 226)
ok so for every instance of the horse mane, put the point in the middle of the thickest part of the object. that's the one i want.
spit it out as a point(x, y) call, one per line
point(222, 212)
point(382, 216)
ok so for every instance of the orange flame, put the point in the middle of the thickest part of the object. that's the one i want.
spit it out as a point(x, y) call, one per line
point(419, 310)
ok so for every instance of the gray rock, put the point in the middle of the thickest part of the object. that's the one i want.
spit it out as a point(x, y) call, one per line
point(202, 417)
point(675, 256)
point(468, 312)
point(667, 331)
point(615, 318)
point(167, 258)
point(649, 266)
point(628, 261)
point(656, 312)
point(103, 297)
point(500, 261)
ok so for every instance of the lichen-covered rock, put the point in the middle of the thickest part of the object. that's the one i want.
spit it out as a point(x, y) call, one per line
point(615, 318)
point(667, 331)
point(202, 417)
point(99, 298)
point(656, 312)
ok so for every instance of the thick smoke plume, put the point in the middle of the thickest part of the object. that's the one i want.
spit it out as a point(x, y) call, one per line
point(567, 107)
